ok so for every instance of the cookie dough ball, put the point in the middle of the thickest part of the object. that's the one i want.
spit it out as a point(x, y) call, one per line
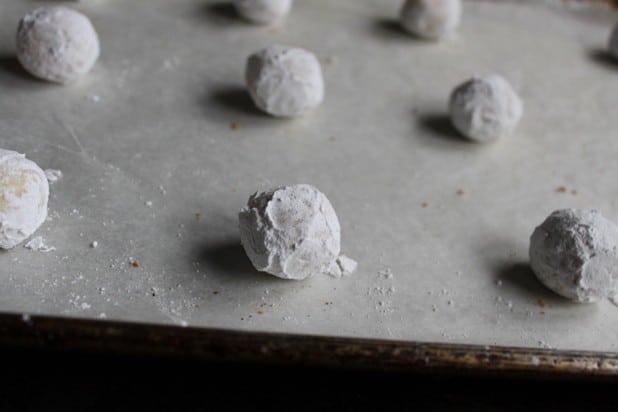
point(291, 232)
point(263, 11)
point(284, 81)
point(57, 44)
point(430, 19)
point(24, 192)
point(485, 108)
point(613, 42)
point(574, 253)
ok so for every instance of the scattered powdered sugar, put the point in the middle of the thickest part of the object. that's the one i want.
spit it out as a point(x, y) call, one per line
point(53, 175)
point(38, 245)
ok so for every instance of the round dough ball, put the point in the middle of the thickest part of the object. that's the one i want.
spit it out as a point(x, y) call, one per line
point(574, 253)
point(613, 43)
point(430, 19)
point(24, 192)
point(485, 108)
point(291, 232)
point(57, 44)
point(263, 11)
point(284, 81)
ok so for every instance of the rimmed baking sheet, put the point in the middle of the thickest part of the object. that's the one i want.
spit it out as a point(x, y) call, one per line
point(154, 171)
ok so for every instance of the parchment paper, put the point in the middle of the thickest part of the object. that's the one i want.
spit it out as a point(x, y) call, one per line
point(154, 170)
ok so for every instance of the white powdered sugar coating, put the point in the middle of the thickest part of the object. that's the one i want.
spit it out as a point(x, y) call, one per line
point(24, 192)
point(38, 245)
point(57, 44)
point(284, 81)
point(613, 42)
point(290, 232)
point(575, 254)
point(430, 19)
point(485, 108)
point(263, 11)
point(343, 266)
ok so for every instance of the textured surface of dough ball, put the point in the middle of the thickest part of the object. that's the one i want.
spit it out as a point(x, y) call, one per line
point(24, 192)
point(284, 81)
point(613, 42)
point(57, 44)
point(291, 232)
point(485, 108)
point(263, 11)
point(430, 19)
point(574, 253)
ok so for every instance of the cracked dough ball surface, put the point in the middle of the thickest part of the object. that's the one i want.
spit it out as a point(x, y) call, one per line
point(291, 232)
point(575, 254)
point(284, 81)
point(485, 108)
point(263, 11)
point(430, 19)
point(24, 192)
point(57, 44)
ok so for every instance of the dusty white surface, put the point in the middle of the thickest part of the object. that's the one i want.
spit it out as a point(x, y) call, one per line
point(485, 108)
point(172, 125)
point(263, 11)
point(430, 19)
point(291, 232)
point(24, 193)
point(57, 43)
point(284, 81)
point(575, 253)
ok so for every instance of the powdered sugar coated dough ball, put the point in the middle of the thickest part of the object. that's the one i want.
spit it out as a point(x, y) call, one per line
point(485, 108)
point(24, 192)
point(291, 232)
point(430, 19)
point(613, 42)
point(284, 81)
point(57, 44)
point(263, 11)
point(574, 253)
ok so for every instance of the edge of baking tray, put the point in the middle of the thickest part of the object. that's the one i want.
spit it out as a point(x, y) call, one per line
point(68, 335)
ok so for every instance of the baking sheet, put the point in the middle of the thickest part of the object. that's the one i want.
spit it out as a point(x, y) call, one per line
point(153, 171)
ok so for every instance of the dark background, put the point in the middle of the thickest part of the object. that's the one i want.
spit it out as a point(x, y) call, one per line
point(38, 380)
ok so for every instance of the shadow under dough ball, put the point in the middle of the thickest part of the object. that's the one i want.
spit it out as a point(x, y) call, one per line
point(57, 44)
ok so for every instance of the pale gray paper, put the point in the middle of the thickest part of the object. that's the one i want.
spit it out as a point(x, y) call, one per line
point(146, 141)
